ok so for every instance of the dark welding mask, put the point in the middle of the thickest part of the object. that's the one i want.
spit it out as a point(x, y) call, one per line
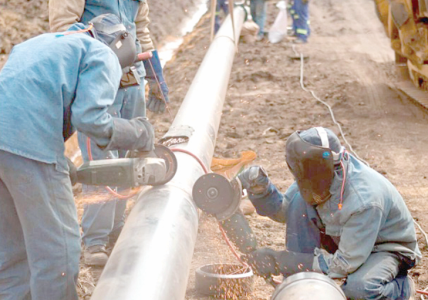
point(312, 165)
point(108, 29)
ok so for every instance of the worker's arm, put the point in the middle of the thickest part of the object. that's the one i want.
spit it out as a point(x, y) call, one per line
point(356, 244)
point(97, 86)
point(64, 13)
point(264, 195)
point(141, 23)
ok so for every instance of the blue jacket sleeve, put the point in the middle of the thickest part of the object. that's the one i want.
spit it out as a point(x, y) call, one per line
point(96, 90)
point(272, 203)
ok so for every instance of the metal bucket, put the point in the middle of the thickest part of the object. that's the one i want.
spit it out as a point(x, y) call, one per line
point(224, 281)
point(308, 285)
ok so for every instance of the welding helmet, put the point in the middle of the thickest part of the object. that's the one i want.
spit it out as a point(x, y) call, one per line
point(108, 29)
point(311, 156)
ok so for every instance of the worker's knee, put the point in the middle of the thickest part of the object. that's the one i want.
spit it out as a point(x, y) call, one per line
point(358, 287)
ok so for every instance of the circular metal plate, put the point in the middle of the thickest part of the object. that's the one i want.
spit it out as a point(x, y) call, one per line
point(170, 160)
point(213, 193)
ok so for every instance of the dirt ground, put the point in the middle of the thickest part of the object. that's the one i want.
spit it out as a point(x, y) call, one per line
point(350, 66)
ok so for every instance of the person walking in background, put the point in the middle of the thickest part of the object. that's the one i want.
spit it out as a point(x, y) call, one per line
point(299, 12)
point(222, 5)
point(102, 222)
point(258, 10)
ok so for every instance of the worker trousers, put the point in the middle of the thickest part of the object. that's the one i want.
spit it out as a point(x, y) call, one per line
point(382, 276)
point(258, 13)
point(222, 5)
point(300, 15)
point(102, 221)
point(39, 232)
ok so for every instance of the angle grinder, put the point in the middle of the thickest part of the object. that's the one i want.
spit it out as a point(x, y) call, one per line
point(138, 168)
point(217, 196)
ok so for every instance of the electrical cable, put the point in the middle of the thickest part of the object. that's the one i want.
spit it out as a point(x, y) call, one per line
point(326, 104)
point(424, 292)
point(206, 171)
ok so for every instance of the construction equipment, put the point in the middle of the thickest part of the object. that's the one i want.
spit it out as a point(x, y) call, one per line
point(139, 168)
point(406, 24)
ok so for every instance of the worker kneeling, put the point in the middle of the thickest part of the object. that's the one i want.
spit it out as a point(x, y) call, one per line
point(343, 219)
point(50, 86)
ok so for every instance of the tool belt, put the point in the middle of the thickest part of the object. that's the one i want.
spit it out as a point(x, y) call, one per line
point(130, 77)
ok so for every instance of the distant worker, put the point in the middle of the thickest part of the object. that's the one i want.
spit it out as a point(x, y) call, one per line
point(258, 13)
point(299, 11)
point(343, 219)
point(102, 222)
point(51, 85)
point(222, 5)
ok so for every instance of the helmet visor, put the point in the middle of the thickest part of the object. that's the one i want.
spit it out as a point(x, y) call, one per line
point(313, 168)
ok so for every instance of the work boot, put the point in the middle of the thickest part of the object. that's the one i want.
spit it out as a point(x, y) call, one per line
point(96, 256)
point(299, 41)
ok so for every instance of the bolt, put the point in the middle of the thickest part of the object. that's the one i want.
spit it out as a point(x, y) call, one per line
point(212, 193)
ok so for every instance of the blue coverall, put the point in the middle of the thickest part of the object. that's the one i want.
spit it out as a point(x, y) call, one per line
point(104, 220)
point(222, 5)
point(50, 86)
point(299, 12)
point(371, 241)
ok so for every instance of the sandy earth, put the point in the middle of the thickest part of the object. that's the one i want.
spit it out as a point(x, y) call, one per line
point(351, 67)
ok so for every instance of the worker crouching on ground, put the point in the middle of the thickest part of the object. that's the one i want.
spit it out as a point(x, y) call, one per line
point(102, 222)
point(343, 219)
point(51, 85)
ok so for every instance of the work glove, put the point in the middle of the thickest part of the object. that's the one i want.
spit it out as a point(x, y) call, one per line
point(254, 180)
point(267, 262)
point(72, 171)
point(263, 262)
point(305, 1)
point(158, 90)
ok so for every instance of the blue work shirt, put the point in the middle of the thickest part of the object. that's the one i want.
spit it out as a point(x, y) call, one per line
point(374, 217)
point(52, 84)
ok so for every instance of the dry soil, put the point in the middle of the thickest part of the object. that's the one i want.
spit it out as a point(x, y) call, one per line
point(350, 66)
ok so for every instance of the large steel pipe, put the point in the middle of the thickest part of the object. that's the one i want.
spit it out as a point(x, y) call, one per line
point(308, 285)
point(152, 257)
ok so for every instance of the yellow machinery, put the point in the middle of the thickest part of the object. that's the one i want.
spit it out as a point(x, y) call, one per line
point(406, 24)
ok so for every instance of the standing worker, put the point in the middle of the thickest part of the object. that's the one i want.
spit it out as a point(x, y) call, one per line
point(102, 222)
point(343, 219)
point(51, 85)
point(299, 12)
point(222, 5)
point(258, 14)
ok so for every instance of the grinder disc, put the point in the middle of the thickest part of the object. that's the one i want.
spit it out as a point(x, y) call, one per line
point(166, 154)
point(215, 195)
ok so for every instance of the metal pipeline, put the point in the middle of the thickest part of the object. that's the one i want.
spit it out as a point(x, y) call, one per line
point(308, 285)
point(152, 257)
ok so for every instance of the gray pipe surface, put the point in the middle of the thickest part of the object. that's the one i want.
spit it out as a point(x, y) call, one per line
point(308, 285)
point(152, 257)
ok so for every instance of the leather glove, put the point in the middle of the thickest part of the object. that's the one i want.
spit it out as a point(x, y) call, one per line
point(305, 1)
point(158, 90)
point(263, 262)
point(72, 171)
point(254, 180)
point(266, 262)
